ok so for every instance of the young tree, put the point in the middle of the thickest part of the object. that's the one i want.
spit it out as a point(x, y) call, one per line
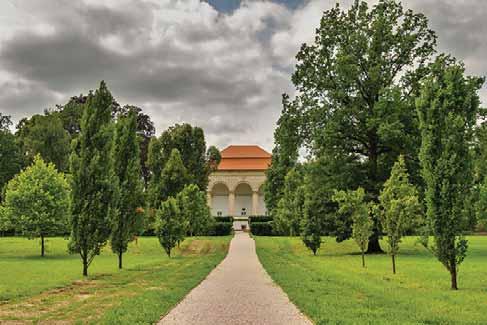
point(94, 183)
point(170, 225)
point(353, 204)
point(356, 86)
point(174, 176)
point(448, 109)
point(37, 202)
point(311, 224)
point(194, 209)
point(289, 211)
point(45, 135)
point(127, 222)
point(400, 207)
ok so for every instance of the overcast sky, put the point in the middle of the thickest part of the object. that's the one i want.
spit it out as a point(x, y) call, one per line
point(221, 64)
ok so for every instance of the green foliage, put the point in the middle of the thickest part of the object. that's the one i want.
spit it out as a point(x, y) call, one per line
point(170, 225)
point(289, 209)
point(311, 224)
point(284, 155)
point(356, 86)
point(262, 228)
point(448, 108)
point(11, 159)
point(353, 204)
point(221, 228)
point(194, 209)
point(190, 142)
point(94, 183)
point(37, 202)
point(400, 207)
point(128, 222)
point(174, 176)
point(45, 135)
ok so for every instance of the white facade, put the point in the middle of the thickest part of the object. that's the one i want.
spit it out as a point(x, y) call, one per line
point(236, 193)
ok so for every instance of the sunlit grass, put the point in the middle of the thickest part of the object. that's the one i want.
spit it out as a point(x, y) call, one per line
point(333, 288)
point(52, 288)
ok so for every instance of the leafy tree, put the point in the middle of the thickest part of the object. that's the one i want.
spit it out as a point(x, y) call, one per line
point(289, 211)
point(174, 176)
point(353, 203)
point(128, 221)
point(448, 109)
point(400, 207)
point(311, 224)
point(194, 209)
point(45, 135)
point(11, 160)
point(213, 158)
point(285, 154)
point(170, 225)
point(156, 165)
point(190, 142)
point(37, 202)
point(145, 132)
point(356, 86)
point(94, 183)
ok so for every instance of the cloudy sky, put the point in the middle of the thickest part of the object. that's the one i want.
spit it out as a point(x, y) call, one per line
point(218, 64)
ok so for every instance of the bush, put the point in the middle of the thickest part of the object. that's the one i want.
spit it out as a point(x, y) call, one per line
point(221, 229)
point(224, 219)
point(260, 219)
point(261, 228)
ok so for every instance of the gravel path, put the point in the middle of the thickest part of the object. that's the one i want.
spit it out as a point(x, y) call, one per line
point(238, 291)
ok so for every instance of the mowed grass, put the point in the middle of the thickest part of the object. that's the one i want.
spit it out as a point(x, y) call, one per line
point(333, 288)
point(52, 289)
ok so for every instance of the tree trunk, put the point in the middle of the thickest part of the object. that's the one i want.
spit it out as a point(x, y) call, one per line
point(42, 246)
point(85, 266)
point(363, 258)
point(374, 246)
point(453, 273)
point(120, 260)
point(393, 264)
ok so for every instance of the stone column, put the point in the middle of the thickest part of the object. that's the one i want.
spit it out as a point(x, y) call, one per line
point(231, 203)
point(255, 203)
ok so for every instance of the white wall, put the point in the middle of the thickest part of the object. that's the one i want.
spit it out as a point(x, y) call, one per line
point(219, 203)
point(243, 201)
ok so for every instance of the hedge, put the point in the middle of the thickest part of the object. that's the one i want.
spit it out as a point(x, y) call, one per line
point(260, 219)
point(221, 229)
point(224, 219)
point(261, 228)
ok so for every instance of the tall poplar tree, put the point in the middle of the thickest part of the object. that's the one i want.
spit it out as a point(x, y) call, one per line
point(448, 109)
point(128, 221)
point(94, 183)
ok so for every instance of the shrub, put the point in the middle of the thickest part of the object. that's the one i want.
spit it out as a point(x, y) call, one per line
point(261, 228)
point(221, 229)
point(260, 219)
point(224, 219)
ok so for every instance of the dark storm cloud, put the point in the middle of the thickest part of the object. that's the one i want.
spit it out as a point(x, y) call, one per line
point(183, 60)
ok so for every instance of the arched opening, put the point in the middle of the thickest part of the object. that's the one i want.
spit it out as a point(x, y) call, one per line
point(243, 200)
point(219, 200)
point(261, 207)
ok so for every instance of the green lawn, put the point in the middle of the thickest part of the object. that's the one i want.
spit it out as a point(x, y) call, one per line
point(333, 288)
point(52, 288)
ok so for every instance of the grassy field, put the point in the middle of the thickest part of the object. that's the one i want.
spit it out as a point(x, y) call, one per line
point(333, 288)
point(52, 288)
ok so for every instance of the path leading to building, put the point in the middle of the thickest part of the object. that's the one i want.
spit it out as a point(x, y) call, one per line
point(238, 291)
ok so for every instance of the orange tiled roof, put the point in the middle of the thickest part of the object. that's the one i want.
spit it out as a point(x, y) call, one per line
point(244, 158)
